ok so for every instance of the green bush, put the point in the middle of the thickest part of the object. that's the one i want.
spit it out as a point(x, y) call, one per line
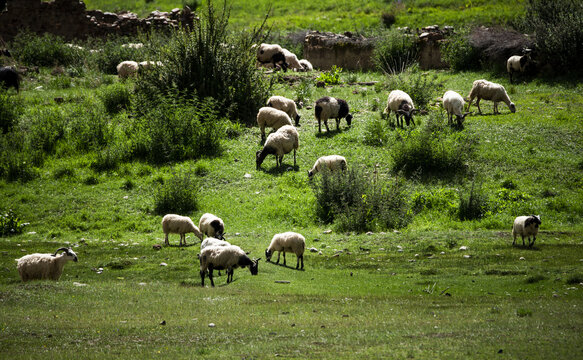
point(358, 203)
point(11, 108)
point(10, 223)
point(46, 50)
point(330, 77)
point(88, 127)
point(115, 98)
point(304, 90)
point(376, 132)
point(16, 161)
point(395, 52)
point(459, 52)
point(473, 205)
point(177, 195)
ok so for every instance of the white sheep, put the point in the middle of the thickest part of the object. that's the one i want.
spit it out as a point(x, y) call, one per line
point(292, 60)
point(211, 241)
point(176, 224)
point(211, 225)
point(328, 107)
point(453, 103)
point(517, 63)
point(483, 89)
point(401, 103)
point(272, 53)
point(306, 65)
point(126, 69)
point(286, 105)
point(224, 258)
point(331, 162)
point(44, 266)
point(526, 226)
point(279, 143)
point(290, 242)
point(133, 45)
point(150, 64)
point(272, 117)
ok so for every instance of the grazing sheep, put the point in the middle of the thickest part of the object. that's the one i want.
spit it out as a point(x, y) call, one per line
point(286, 105)
point(212, 226)
point(329, 107)
point(272, 53)
point(401, 103)
point(332, 162)
point(287, 241)
point(526, 226)
point(292, 60)
point(44, 266)
point(279, 143)
point(517, 63)
point(9, 78)
point(306, 65)
point(454, 103)
point(211, 241)
point(483, 89)
point(272, 117)
point(177, 224)
point(224, 258)
point(126, 69)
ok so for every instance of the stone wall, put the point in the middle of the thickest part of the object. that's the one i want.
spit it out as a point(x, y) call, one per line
point(70, 20)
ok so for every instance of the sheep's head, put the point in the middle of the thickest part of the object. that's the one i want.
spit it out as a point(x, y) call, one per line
point(254, 267)
point(349, 119)
point(268, 254)
point(297, 120)
point(533, 219)
point(512, 107)
point(259, 159)
point(67, 253)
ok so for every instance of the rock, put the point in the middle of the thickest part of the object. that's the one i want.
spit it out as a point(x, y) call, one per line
point(163, 264)
point(320, 253)
point(282, 281)
point(327, 231)
point(442, 253)
point(463, 248)
point(79, 284)
point(522, 258)
point(313, 249)
point(467, 256)
point(212, 325)
point(369, 233)
point(247, 176)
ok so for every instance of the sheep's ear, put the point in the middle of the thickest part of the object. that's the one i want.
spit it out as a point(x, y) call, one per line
point(248, 252)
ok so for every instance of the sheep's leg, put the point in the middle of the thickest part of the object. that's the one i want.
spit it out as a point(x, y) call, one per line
point(337, 124)
point(278, 254)
point(294, 157)
point(522, 240)
point(397, 116)
point(284, 264)
point(211, 276)
point(166, 239)
point(202, 276)
point(298, 262)
point(182, 240)
point(319, 126)
point(326, 123)
point(470, 104)
point(449, 118)
point(302, 257)
point(533, 240)
point(514, 241)
point(478, 105)
point(495, 107)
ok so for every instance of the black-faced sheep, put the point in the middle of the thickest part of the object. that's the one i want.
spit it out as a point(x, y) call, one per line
point(453, 103)
point(517, 63)
point(273, 118)
point(286, 105)
point(176, 224)
point(401, 103)
point(44, 266)
point(483, 89)
point(211, 225)
point(279, 143)
point(331, 162)
point(306, 65)
point(224, 258)
point(272, 53)
point(9, 78)
point(290, 242)
point(328, 107)
point(126, 69)
point(526, 226)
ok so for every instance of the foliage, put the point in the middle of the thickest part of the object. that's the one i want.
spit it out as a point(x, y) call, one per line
point(473, 205)
point(558, 28)
point(11, 107)
point(115, 98)
point(395, 52)
point(211, 62)
point(358, 203)
point(304, 90)
point(176, 195)
point(377, 132)
point(330, 77)
point(110, 52)
point(10, 223)
point(16, 162)
point(459, 53)
point(46, 50)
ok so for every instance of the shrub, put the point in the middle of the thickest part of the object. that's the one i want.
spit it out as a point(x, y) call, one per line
point(575, 279)
point(473, 205)
point(11, 108)
point(304, 90)
point(64, 171)
point(376, 132)
point(115, 98)
point(459, 52)
point(177, 195)
point(10, 223)
point(45, 50)
point(388, 19)
point(16, 162)
point(330, 77)
point(395, 52)
point(88, 127)
point(357, 203)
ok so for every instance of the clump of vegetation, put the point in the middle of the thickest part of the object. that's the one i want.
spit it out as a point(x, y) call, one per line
point(355, 202)
point(395, 52)
point(473, 205)
point(304, 90)
point(11, 108)
point(10, 223)
point(330, 77)
point(575, 279)
point(535, 278)
point(176, 195)
point(422, 87)
point(388, 19)
point(111, 52)
point(115, 98)
point(459, 53)
point(45, 50)
point(377, 132)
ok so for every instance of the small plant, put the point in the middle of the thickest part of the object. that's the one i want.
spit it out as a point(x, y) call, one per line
point(330, 77)
point(388, 19)
point(64, 171)
point(115, 98)
point(376, 132)
point(459, 52)
point(395, 52)
point(535, 278)
point(10, 223)
point(304, 90)
point(523, 312)
point(202, 168)
point(45, 50)
point(11, 107)
point(474, 205)
point(128, 184)
point(575, 279)
point(177, 195)
point(91, 180)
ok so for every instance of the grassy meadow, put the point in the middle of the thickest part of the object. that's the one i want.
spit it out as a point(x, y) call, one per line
point(435, 286)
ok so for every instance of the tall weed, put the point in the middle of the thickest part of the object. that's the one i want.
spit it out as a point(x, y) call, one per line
point(46, 50)
point(395, 52)
point(176, 195)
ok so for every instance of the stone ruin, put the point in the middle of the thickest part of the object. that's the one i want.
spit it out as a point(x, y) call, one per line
point(70, 20)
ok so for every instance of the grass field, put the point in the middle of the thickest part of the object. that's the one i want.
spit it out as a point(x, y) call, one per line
point(406, 292)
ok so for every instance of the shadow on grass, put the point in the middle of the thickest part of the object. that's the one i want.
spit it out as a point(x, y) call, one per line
point(275, 170)
point(285, 266)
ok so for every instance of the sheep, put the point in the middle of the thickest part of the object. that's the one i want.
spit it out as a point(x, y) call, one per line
point(292, 60)
point(272, 53)
point(126, 69)
point(177, 224)
point(149, 64)
point(454, 103)
point(332, 162)
point(517, 63)
point(287, 105)
point(287, 241)
point(9, 78)
point(44, 266)
point(279, 143)
point(483, 89)
point(401, 103)
point(224, 258)
point(306, 65)
point(212, 226)
point(329, 107)
point(526, 226)
point(211, 241)
point(272, 117)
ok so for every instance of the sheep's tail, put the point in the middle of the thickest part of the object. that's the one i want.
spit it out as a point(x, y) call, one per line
point(318, 112)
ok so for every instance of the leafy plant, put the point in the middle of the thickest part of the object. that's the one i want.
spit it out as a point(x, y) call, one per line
point(10, 223)
point(473, 205)
point(395, 52)
point(177, 195)
point(11, 107)
point(330, 77)
point(459, 52)
point(115, 98)
point(45, 50)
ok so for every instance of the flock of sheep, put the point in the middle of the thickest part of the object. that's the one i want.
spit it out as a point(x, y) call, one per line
point(218, 254)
